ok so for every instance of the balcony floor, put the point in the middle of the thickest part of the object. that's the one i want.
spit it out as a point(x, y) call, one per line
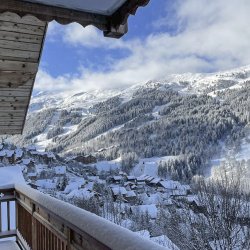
point(9, 245)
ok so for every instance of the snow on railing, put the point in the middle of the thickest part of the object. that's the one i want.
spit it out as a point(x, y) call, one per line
point(43, 222)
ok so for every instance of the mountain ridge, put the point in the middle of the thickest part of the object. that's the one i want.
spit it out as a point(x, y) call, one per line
point(152, 119)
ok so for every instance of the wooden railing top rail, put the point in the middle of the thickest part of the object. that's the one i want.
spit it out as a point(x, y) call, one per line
point(79, 222)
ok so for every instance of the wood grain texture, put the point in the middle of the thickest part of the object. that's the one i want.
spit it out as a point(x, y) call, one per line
point(21, 42)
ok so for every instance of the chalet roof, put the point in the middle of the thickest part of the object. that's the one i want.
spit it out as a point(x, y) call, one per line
point(108, 15)
point(23, 26)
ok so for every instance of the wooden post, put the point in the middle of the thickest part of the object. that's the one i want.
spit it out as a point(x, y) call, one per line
point(68, 238)
point(34, 229)
point(8, 215)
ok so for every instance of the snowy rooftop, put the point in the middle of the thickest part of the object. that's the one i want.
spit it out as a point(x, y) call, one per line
point(105, 7)
point(170, 184)
point(119, 190)
point(118, 178)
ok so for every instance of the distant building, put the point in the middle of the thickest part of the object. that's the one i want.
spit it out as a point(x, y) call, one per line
point(60, 171)
point(131, 197)
point(88, 159)
point(117, 179)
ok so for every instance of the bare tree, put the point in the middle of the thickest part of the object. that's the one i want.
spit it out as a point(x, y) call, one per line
point(224, 219)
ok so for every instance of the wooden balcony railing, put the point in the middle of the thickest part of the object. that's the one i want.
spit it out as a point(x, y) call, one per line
point(40, 222)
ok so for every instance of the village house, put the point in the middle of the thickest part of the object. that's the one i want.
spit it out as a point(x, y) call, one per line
point(88, 159)
point(141, 180)
point(18, 155)
point(118, 192)
point(154, 182)
point(45, 157)
point(195, 204)
point(60, 171)
point(117, 179)
point(10, 156)
point(131, 178)
point(131, 197)
point(29, 163)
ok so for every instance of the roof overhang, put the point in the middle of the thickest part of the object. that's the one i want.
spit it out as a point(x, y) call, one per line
point(23, 25)
point(21, 43)
point(110, 16)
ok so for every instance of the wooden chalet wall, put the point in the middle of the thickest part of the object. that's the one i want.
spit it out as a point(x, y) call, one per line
point(21, 43)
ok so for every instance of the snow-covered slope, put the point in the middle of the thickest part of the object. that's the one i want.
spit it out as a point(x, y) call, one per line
point(185, 83)
point(114, 122)
point(64, 100)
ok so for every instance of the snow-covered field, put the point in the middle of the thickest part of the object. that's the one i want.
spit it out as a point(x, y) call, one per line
point(149, 166)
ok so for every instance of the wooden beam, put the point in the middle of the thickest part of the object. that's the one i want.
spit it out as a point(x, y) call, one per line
point(7, 65)
point(12, 36)
point(22, 55)
point(6, 44)
point(9, 79)
point(22, 28)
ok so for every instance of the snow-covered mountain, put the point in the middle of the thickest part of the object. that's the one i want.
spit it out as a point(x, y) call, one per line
point(189, 116)
point(185, 83)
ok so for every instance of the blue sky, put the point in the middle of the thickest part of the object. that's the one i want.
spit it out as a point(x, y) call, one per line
point(166, 37)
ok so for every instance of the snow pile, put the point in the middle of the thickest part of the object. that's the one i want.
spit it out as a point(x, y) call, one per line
point(9, 176)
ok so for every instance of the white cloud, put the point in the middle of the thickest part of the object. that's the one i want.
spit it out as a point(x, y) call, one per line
point(213, 35)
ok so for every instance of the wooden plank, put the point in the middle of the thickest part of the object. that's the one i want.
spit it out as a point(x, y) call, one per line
point(14, 93)
point(19, 124)
point(14, 54)
point(22, 28)
point(9, 121)
point(14, 107)
point(13, 104)
point(9, 79)
point(7, 65)
point(6, 44)
point(13, 17)
point(10, 109)
point(15, 85)
point(11, 132)
point(16, 81)
point(20, 37)
point(12, 98)
point(5, 130)
point(21, 41)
